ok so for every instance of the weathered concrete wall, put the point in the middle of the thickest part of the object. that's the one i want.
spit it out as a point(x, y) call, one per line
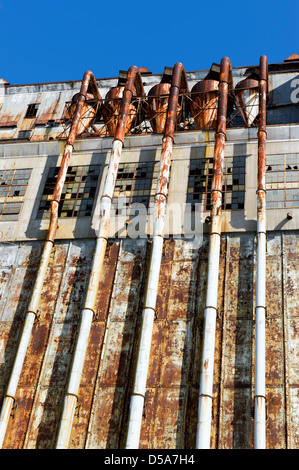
point(240, 142)
point(170, 412)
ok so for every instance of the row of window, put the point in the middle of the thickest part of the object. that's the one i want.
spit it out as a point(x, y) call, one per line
point(136, 184)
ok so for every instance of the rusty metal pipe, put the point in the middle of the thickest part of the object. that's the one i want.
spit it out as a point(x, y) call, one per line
point(260, 309)
point(178, 83)
point(206, 375)
point(88, 311)
point(31, 314)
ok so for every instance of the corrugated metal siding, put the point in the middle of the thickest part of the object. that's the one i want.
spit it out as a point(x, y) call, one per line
point(170, 413)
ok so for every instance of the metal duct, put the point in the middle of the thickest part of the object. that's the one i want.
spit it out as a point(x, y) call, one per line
point(247, 99)
point(260, 308)
point(87, 114)
point(112, 106)
point(204, 100)
point(157, 103)
point(88, 311)
point(179, 84)
point(207, 366)
point(9, 399)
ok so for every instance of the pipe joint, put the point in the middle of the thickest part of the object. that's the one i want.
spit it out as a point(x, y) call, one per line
point(94, 315)
point(82, 96)
point(215, 233)
point(37, 316)
point(261, 191)
point(260, 396)
point(206, 395)
point(262, 231)
point(220, 132)
point(161, 194)
point(10, 396)
point(118, 140)
point(138, 395)
point(69, 142)
point(262, 130)
point(216, 191)
point(262, 306)
point(210, 306)
point(128, 89)
point(150, 308)
point(70, 394)
point(107, 195)
point(168, 135)
point(49, 240)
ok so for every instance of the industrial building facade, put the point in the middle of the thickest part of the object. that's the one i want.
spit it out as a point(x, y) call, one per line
point(118, 199)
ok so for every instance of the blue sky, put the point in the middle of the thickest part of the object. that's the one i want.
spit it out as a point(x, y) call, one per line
point(46, 41)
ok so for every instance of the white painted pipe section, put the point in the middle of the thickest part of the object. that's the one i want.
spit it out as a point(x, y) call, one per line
point(148, 316)
point(148, 312)
point(12, 385)
point(207, 367)
point(87, 312)
point(9, 398)
point(75, 378)
point(205, 400)
point(260, 307)
point(260, 341)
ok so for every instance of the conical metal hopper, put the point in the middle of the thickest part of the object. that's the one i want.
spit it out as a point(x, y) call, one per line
point(111, 109)
point(247, 99)
point(204, 104)
point(87, 115)
point(157, 106)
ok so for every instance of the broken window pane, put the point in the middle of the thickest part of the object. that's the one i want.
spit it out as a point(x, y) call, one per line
point(77, 195)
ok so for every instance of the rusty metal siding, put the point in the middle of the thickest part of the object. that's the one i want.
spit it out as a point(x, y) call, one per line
point(170, 412)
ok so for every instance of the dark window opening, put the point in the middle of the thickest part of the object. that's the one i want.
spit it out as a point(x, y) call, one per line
point(135, 184)
point(282, 180)
point(13, 183)
point(31, 110)
point(78, 192)
point(200, 183)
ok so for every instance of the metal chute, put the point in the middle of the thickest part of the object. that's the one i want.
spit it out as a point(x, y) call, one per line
point(247, 100)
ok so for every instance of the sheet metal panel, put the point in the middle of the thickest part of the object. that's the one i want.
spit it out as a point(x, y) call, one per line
point(170, 412)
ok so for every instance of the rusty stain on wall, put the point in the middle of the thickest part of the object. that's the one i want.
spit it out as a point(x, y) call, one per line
point(173, 378)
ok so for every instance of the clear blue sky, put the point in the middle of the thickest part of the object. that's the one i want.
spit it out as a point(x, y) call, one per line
point(45, 41)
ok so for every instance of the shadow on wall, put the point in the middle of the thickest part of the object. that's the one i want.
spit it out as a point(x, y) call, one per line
point(82, 226)
point(244, 292)
point(232, 405)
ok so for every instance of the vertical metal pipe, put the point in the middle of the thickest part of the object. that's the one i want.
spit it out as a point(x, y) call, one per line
point(260, 309)
point(207, 367)
point(179, 81)
point(31, 314)
point(88, 311)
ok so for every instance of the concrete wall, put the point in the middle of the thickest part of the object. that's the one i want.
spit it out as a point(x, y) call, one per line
point(240, 142)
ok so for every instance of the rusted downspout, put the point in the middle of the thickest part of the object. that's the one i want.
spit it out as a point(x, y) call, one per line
point(88, 311)
point(260, 309)
point(178, 83)
point(31, 315)
point(206, 376)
